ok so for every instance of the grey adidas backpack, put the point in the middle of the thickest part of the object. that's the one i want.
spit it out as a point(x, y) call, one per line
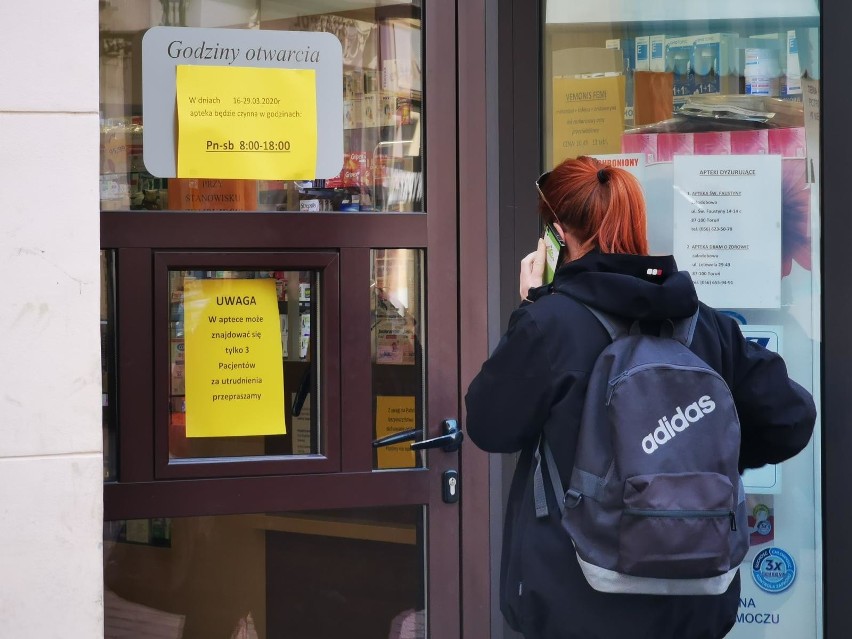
point(655, 503)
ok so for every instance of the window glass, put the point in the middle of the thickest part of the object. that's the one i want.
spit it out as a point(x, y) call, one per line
point(298, 574)
point(382, 165)
point(397, 353)
point(243, 364)
point(715, 108)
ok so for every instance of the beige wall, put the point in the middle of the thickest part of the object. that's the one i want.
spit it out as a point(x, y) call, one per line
point(50, 434)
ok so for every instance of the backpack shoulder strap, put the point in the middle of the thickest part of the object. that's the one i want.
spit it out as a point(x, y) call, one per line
point(541, 509)
point(682, 329)
point(614, 325)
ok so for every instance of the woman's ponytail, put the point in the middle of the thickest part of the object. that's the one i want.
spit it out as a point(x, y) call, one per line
point(602, 205)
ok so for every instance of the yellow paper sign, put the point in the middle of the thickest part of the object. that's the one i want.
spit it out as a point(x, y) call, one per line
point(234, 368)
point(588, 116)
point(246, 123)
point(395, 414)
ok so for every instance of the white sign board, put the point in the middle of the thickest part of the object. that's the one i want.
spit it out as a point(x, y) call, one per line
point(727, 227)
point(164, 48)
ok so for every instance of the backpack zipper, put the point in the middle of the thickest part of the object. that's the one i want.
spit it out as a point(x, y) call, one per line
point(615, 381)
point(682, 514)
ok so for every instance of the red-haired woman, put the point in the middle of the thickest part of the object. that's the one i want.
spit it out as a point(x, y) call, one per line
point(535, 383)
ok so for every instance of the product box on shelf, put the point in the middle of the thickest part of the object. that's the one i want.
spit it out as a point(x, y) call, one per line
point(712, 142)
point(715, 62)
point(657, 52)
point(371, 110)
point(643, 57)
point(754, 142)
point(707, 63)
point(765, 63)
point(788, 142)
point(645, 143)
point(793, 76)
point(679, 64)
point(652, 101)
point(196, 194)
point(353, 113)
point(387, 114)
point(628, 55)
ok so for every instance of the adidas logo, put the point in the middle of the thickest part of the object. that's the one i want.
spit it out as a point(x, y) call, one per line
point(677, 423)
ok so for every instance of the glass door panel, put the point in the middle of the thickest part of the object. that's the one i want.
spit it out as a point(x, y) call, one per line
point(264, 575)
point(382, 121)
point(235, 375)
point(313, 573)
point(397, 353)
point(248, 358)
point(715, 108)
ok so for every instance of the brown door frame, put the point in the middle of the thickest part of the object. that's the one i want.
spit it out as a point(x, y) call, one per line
point(474, 111)
point(138, 236)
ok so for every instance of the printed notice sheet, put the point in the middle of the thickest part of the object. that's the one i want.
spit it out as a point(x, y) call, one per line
point(234, 368)
point(246, 122)
point(588, 116)
point(727, 227)
point(394, 414)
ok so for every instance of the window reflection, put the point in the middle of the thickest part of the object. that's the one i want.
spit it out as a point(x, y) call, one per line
point(300, 574)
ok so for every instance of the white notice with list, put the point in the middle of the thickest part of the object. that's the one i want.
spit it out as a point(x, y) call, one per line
point(727, 227)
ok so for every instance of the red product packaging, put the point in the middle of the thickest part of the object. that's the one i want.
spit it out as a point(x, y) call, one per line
point(671, 144)
point(750, 142)
point(712, 143)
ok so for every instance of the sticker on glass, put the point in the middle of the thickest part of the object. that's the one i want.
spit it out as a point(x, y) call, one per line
point(773, 570)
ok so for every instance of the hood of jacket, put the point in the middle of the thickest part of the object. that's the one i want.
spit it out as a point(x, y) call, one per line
point(642, 287)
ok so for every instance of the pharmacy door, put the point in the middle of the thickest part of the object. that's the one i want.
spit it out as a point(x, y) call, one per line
point(281, 385)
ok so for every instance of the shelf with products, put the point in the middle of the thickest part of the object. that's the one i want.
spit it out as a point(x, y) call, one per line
point(675, 76)
point(372, 160)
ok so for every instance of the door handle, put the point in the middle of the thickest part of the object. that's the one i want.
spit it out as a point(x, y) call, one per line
point(449, 442)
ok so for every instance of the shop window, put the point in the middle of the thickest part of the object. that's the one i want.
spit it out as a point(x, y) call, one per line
point(715, 108)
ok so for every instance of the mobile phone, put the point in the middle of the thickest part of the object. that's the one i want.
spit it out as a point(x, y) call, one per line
point(555, 252)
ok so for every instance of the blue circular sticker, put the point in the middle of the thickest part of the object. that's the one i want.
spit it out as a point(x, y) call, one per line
point(773, 570)
point(764, 527)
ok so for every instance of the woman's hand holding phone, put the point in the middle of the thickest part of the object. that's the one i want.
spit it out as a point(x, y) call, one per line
point(532, 269)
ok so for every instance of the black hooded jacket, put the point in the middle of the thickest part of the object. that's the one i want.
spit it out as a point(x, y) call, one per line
point(536, 379)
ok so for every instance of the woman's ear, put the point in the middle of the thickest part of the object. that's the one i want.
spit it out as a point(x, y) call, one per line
point(573, 247)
